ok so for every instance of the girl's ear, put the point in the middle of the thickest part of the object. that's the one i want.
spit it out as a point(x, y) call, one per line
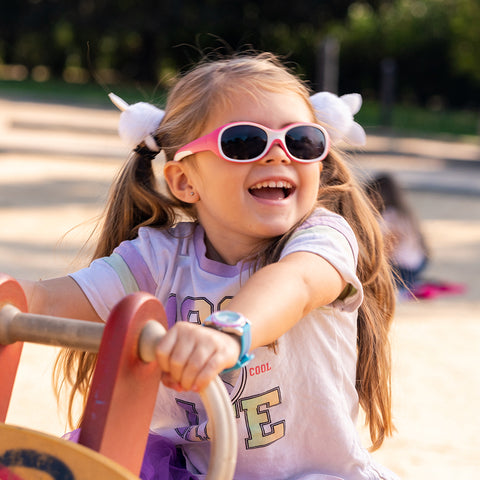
point(177, 176)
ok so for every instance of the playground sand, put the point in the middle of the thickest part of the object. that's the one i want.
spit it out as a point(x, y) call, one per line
point(54, 178)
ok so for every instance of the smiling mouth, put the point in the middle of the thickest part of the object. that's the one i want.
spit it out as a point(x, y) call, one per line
point(272, 190)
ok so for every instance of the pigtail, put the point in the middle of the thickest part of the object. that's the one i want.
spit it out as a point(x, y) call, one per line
point(134, 201)
point(73, 369)
point(340, 193)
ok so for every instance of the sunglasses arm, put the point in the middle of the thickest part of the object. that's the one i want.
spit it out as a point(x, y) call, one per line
point(206, 143)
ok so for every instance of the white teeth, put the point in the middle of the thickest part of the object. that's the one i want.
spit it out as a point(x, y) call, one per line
point(273, 184)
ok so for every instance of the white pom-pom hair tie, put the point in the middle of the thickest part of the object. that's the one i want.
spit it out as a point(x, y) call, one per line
point(137, 123)
point(337, 115)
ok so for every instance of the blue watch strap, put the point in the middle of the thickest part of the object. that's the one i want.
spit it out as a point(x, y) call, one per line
point(236, 325)
point(245, 343)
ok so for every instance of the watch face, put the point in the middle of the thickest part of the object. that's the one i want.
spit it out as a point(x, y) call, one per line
point(229, 319)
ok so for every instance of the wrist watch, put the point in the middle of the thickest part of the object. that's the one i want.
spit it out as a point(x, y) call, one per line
point(236, 324)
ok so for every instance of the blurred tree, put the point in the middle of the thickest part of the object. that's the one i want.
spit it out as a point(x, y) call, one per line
point(434, 42)
point(427, 39)
point(465, 49)
point(142, 40)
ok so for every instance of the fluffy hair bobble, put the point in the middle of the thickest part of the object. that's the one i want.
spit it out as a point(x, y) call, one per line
point(137, 123)
point(337, 115)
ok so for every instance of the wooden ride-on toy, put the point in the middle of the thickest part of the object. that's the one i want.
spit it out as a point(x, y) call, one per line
point(121, 398)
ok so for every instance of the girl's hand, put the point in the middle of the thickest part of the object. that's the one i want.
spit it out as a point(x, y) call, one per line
point(191, 355)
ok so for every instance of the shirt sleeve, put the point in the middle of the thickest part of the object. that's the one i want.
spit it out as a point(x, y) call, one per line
point(101, 285)
point(107, 280)
point(329, 236)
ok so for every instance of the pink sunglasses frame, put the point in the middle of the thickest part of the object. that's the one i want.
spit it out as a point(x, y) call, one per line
point(211, 142)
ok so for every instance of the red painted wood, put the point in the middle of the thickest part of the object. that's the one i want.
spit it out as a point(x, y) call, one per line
point(124, 388)
point(10, 293)
point(6, 474)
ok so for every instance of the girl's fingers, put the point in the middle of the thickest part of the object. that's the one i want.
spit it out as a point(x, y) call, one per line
point(164, 349)
point(199, 358)
point(206, 375)
point(170, 383)
point(225, 354)
point(182, 352)
point(173, 352)
point(191, 356)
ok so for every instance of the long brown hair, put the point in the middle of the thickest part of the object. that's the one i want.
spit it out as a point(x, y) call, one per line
point(135, 201)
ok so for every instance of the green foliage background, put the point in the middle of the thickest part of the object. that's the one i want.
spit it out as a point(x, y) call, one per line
point(434, 43)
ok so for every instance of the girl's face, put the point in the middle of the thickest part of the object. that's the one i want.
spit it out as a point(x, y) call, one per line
point(242, 205)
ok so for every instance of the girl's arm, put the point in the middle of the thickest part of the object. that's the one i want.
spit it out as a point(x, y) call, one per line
point(60, 297)
point(274, 299)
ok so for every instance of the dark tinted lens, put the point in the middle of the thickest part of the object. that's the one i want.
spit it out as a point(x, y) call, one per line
point(243, 142)
point(305, 142)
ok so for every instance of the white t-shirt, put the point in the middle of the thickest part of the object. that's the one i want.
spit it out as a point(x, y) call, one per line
point(296, 409)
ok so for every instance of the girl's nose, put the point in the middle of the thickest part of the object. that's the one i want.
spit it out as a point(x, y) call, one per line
point(276, 154)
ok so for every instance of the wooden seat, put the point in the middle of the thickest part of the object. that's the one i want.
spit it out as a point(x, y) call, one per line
point(30, 455)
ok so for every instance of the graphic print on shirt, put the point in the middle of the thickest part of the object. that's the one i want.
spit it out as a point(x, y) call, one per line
point(192, 309)
point(257, 411)
point(235, 381)
point(195, 432)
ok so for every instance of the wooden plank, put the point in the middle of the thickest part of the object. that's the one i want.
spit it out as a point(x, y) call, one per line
point(10, 293)
point(124, 388)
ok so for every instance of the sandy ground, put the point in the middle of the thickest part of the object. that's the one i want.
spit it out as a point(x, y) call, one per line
point(56, 164)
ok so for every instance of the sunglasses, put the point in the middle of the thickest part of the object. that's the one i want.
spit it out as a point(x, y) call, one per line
point(247, 142)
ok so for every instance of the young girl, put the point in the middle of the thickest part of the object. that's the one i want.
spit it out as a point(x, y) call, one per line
point(264, 223)
point(405, 242)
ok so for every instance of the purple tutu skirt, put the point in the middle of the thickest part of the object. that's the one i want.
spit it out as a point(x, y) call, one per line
point(163, 460)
